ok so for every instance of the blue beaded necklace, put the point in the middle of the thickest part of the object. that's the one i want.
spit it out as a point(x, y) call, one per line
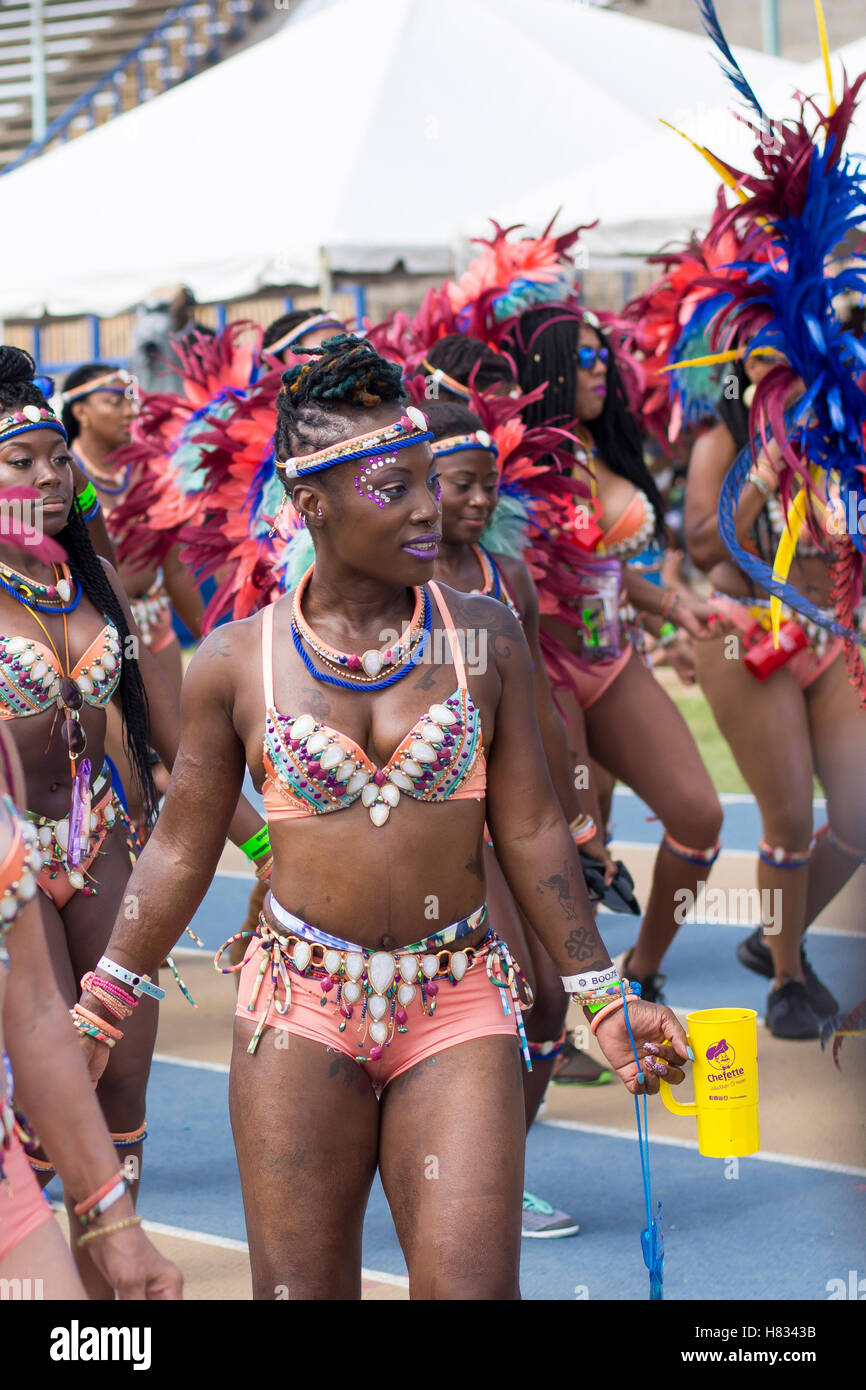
point(376, 685)
point(25, 595)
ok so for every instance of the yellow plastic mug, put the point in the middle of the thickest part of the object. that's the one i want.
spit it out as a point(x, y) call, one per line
point(725, 1071)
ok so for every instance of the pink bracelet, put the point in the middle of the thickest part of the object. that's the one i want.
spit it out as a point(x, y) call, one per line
point(612, 1008)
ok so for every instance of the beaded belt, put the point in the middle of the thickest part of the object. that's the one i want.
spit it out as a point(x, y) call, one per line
point(53, 835)
point(818, 637)
point(383, 983)
point(151, 607)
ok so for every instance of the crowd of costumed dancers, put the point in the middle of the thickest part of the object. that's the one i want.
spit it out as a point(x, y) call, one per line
point(460, 496)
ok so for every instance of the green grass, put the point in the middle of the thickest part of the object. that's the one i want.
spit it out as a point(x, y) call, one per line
point(692, 705)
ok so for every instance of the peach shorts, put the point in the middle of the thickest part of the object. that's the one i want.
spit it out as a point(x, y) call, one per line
point(473, 1008)
point(23, 1208)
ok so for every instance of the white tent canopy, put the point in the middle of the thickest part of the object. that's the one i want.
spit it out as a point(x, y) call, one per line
point(664, 189)
point(374, 132)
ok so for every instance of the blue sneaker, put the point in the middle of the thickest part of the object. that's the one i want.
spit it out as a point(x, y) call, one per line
point(543, 1222)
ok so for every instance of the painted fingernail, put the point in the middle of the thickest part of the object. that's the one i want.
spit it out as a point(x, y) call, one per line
point(690, 1054)
point(652, 1048)
point(659, 1068)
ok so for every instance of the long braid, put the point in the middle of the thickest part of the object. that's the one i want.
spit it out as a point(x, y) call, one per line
point(16, 390)
point(543, 344)
point(315, 399)
point(89, 570)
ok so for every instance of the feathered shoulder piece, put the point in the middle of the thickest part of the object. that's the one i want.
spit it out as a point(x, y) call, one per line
point(672, 321)
point(806, 202)
point(510, 276)
point(171, 475)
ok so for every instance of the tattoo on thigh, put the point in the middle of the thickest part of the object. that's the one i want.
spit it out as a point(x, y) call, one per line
point(348, 1072)
point(562, 884)
point(408, 1078)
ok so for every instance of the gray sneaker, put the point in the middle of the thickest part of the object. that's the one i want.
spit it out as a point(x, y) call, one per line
point(543, 1222)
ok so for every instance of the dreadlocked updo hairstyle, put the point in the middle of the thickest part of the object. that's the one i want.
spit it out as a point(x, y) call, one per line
point(447, 418)
point(17, 389)
point(543, 343)
point(90, 371)
point(458, 356)
point(317, 398)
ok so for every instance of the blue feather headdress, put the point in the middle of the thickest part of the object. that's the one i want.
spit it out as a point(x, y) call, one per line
point(805, 203)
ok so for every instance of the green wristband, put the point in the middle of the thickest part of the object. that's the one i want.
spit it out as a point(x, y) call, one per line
point(87, 497)
point(258, 845)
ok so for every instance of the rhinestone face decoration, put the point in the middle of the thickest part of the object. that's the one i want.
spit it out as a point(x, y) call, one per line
point(367, 489)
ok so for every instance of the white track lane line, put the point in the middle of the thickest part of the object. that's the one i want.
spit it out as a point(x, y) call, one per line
point(790, 1160)
point(158, 1228)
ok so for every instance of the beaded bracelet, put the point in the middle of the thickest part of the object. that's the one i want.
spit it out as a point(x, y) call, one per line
point(759, 480)
point(98, 1231)
point(582, 829)
point(611, 1009)
point(264, 868)
point(669, 604)
point(119, 1003)
point(83, 1207)
point(98, 1022)
point(91, 1031)
point(114, 1194)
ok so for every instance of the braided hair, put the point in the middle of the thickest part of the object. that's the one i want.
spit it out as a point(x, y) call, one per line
point(17, 389)
point(458, 356)
point(90, 371)
point(543, 344)
point(314, 399)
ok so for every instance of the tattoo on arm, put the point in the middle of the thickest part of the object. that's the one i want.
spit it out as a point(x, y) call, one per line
point(562, 884)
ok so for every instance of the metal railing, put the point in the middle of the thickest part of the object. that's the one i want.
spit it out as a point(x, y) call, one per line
point(111, 83)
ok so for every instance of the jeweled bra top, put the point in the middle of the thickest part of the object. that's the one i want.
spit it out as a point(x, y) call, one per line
point(30, 677)
point(312, 769)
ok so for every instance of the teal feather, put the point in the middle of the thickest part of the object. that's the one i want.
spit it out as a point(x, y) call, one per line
point(506, 531)
point(295, 559)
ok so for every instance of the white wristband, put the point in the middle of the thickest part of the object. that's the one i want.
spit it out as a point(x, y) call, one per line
point(139, 984)
point(592, 979)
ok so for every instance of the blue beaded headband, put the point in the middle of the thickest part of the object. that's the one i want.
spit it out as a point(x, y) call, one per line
point(410, 429)
point(30, 417)
point(459, 443)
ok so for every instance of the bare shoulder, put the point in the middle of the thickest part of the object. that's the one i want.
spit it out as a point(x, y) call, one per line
point(476, 612)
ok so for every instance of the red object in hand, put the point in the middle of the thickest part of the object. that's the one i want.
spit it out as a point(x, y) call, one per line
point(583, 524)
point(763, 658)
